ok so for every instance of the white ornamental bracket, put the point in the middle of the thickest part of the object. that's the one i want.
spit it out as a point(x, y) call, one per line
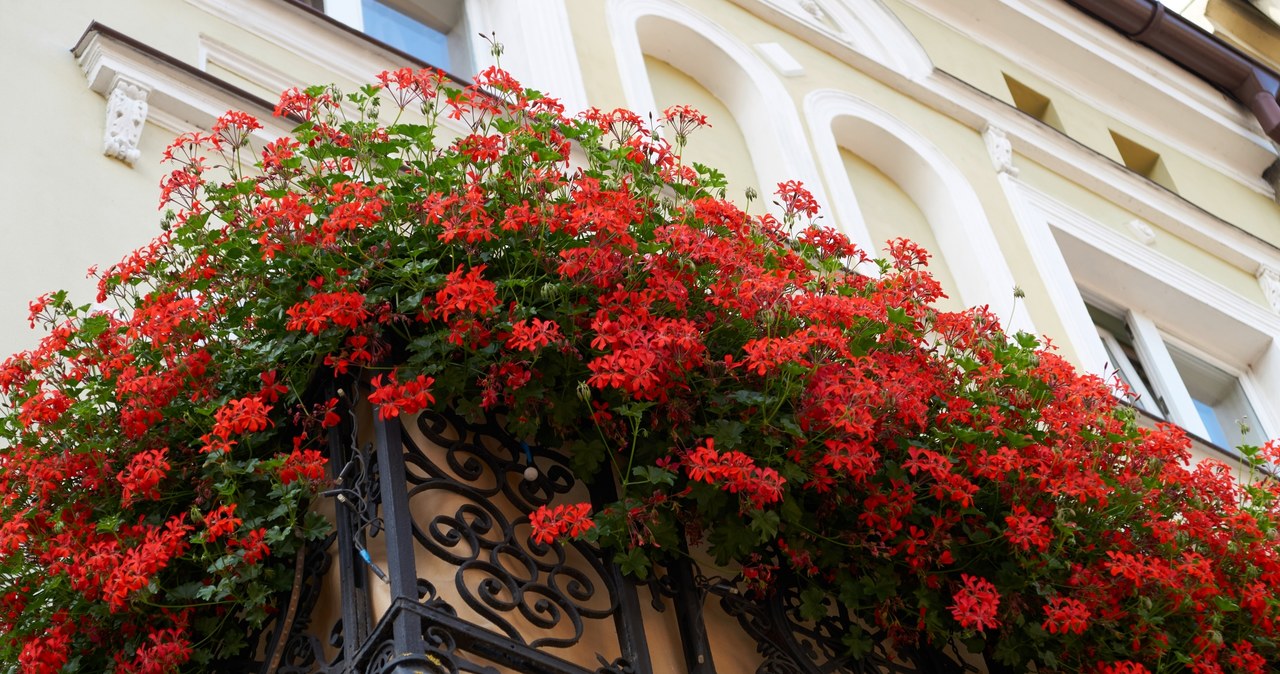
point(126, 116)
point(1269, 279)
point(1000, 149)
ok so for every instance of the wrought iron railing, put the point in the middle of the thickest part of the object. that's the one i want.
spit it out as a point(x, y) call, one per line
point(432, 568)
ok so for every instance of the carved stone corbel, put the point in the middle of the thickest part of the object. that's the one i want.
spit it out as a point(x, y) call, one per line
point(1143, 231)
point(126, 115)
point(1000, 150)
point(814, 9)
point(1269, 279)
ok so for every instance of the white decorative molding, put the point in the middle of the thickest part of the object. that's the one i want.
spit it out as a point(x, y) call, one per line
point(729, 69)
point(1073, 161)
point(1000, 150)
point(1221, 129)
point(813, 8)
point(968, 245)
point(321, 41)
point(1043, 35)
point(1179, 297)
point(1123, 275)
point(314, 38)
point(1269, 279)
point(851, 31)
point(213, 52)
point(1143, 231)
point(781, 59)
point(126, 115)
point(177, 97)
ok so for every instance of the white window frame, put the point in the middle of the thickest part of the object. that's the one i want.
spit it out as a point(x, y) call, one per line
point(1152, 346)
point(1146, 400)
point(1246, 378)
point(448, 17)
point(1194, 313)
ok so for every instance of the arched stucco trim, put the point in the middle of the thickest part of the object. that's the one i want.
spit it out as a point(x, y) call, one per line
point(866, 27)
point(968, 245)
point(727, 68)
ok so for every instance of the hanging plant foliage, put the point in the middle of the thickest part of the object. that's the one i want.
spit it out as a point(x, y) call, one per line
point(753, 383)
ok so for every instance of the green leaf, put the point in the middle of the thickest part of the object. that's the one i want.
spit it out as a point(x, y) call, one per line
point(585, 457)
point(765, 522)
point(633, 563)
point(899, 316)
point(727, 433)
point(813, 603)
point(654, 475)
point(93, 327)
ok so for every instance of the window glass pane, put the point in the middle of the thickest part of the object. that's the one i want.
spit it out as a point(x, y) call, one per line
point(405, 33)
point(1219, 399)
point(1124, 359)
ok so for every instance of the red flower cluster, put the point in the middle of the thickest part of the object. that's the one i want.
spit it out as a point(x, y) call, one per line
point(342, 309)
point(1064, 615)
point(221, 522)
point(465, 292)
point(394, 399)
point(736, 472)
point(552, 524)
point(974, 606)
point(533, 334)
point(306, 464)
point(141, 478)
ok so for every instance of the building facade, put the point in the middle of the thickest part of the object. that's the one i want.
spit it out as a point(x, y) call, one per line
point(1127, 195)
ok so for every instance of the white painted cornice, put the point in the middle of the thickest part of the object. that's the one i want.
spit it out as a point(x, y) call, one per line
point(179, 98)
point(1121, 79)
point(214, 52)
point(1205, 116)
point(1243, 315)
point(1061, 154)
point(850, 31)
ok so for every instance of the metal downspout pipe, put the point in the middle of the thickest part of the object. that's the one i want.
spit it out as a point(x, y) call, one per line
point(1148, 23)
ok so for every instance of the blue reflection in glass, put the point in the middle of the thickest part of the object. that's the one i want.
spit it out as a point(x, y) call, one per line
point(405, 33)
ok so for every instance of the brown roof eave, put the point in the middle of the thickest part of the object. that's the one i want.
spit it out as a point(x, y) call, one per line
point(1147, 22)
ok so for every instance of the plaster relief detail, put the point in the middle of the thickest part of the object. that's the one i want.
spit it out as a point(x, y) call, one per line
point(814, 9)
point(1269, 279)
point(1143, 231)
point(1000, 149)
point(126, 115)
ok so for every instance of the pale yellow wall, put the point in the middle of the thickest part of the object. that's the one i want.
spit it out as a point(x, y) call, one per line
point(66, 206)
point(587, 19)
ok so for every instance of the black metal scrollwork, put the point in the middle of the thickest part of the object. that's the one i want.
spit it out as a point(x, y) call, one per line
point(456, 498)
point(791, 644)
point(536, 594)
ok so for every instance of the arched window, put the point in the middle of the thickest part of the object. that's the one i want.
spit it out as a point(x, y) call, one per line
point(842, 125)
